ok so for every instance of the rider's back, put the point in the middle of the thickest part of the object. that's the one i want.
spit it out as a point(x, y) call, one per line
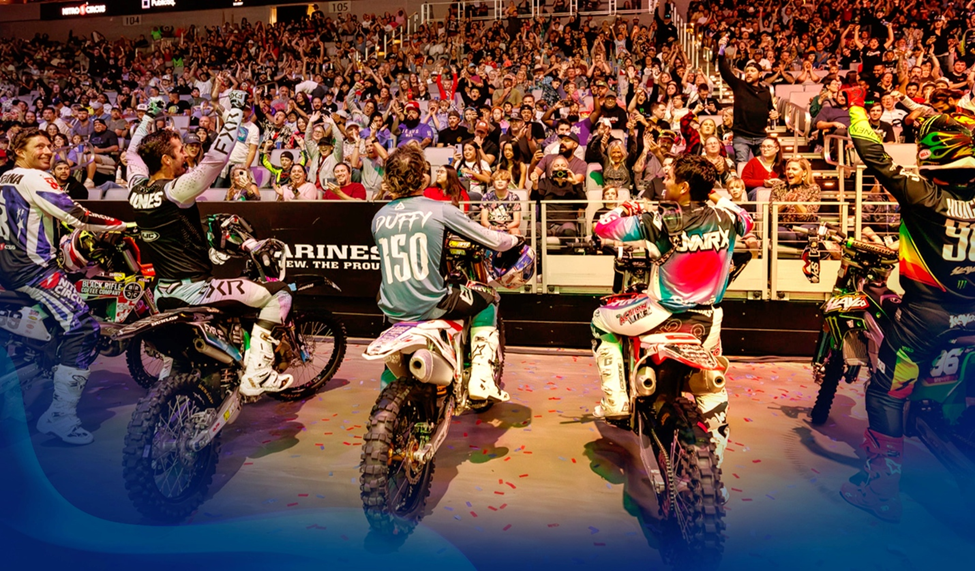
point(410, 235)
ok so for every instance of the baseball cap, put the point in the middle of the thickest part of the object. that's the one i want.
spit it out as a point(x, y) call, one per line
point(191, 139)
point(515, 117)
point(570, 135)
point(142, 107)
point(96, 105)
point(66, 112)
point(601, 83)
point(102, 121)
point(481, 126)
point(667, 134)
point(412, 105)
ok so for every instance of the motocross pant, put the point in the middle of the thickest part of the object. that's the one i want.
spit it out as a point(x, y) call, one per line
point(918, 331)
point(705, 324)
point(57, 293)
point(272, 299)
point(461, 302)
point(464, 301)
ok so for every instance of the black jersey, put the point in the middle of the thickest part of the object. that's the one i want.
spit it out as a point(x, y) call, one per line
point(172, 236)
point(937, 254)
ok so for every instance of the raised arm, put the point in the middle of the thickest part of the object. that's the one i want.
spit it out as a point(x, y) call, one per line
point(186, 188)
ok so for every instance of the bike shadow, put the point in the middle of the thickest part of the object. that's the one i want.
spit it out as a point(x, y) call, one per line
point(264, 428)
point(473, 438)
point(615, 457)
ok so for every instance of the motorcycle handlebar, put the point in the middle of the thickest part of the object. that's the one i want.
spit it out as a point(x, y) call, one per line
point(870, 247)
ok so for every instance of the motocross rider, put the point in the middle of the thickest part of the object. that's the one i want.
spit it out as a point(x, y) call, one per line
point(164, 197)
point(30, 202)
point(410, 234)
point(937, 265)
point(690, 282)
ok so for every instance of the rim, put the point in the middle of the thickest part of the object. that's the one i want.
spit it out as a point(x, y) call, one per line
point(317, 347)
point(152, 362)
point(404, 475)
point(174, 467)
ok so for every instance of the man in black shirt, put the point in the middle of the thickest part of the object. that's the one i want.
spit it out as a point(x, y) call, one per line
point(454, 133)
point(610, 110)
point(104, 144)
point(163, 197)
point(753, 106)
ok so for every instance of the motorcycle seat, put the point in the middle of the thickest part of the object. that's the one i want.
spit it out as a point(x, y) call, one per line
point(170, 303)
point(10, 297)
point(886, 298)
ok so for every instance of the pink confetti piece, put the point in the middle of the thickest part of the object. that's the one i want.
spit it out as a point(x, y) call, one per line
point(523, 476)
point(506, 528)
point(510, 484)
point(292, 505)
point(553, 525)
point(473, 514)
point(503, 506)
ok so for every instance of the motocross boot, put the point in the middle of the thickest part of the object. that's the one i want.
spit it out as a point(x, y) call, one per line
point(259, 374)
point(880, 493)
point(61, 418)
point(609, 360)
point(484, 361)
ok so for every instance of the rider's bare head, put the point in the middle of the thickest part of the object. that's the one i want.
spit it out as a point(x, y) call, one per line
point(405, 170)
point(163, 150)
point(693, 174)
point(32, 149)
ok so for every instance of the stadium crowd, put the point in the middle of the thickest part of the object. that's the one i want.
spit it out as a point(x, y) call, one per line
point(552, 105)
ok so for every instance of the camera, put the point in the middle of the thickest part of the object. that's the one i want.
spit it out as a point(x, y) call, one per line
point(560, 173)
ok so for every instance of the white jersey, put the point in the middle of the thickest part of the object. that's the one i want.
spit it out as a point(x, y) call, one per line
point(31, 201)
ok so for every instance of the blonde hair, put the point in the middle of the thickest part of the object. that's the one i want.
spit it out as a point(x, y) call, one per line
point(804, 164)
point(499, 174)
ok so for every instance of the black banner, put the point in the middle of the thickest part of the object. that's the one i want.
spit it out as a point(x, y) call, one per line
point(332, 239)
point(96, 8)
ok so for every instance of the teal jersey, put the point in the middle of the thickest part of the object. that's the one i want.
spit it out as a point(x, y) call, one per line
point(410, 233)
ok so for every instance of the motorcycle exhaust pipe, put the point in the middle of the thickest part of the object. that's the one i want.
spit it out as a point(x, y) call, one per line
point(431, 368)
point(709, 381)
point(646, 382)
point(216, 354)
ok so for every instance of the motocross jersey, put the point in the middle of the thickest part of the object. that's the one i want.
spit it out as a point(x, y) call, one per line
point(30, 201)
point(937, 250)
point(410, 233)
point(165, 210)
point(695, 267)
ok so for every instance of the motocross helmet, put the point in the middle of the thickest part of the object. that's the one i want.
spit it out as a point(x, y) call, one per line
point(77, 250)
point(945, 149)
point(226, 233)
point(513, 269)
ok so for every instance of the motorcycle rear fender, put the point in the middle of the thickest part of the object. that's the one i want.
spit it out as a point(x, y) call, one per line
point(199, 314)
point(409, 336)
point(681, 347)
point(26, 321)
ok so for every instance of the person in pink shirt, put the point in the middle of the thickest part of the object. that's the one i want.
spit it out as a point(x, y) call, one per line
point(343, 188)
point(297, 187)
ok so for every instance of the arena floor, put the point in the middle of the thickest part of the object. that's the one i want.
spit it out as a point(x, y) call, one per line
point(534, 482)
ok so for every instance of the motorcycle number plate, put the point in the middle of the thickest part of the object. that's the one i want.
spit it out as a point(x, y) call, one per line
point(395, 331)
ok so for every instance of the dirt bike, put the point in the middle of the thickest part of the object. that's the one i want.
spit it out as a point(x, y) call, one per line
point(410, 420)
point(853, 316)
point(173, 440)
point(118, 290)
point(940, 409)
point(115, 285)
point(663, 361)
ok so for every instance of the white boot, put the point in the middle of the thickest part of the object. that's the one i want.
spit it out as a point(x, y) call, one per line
point(484, 356)
point(61, 419)
point(259, 375)
point(609, 361)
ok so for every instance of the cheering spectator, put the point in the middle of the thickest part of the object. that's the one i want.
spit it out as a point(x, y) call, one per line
point(242, 185)
point(297, 187)
point(764, 169)
point(753, 105)
point(447, 187)
point(343, 188)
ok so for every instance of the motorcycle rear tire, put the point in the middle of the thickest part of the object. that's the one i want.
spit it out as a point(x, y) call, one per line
point(400, 403)
point(702, 497)
point(318, 323)
point(480, 406)
point(832, 376)
point(139, 468)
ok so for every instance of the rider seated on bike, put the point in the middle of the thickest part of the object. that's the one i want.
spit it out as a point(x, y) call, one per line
point(164, 199)
point(410, 234)
point(689, 279)
point(30, 202)
point(937, 273)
